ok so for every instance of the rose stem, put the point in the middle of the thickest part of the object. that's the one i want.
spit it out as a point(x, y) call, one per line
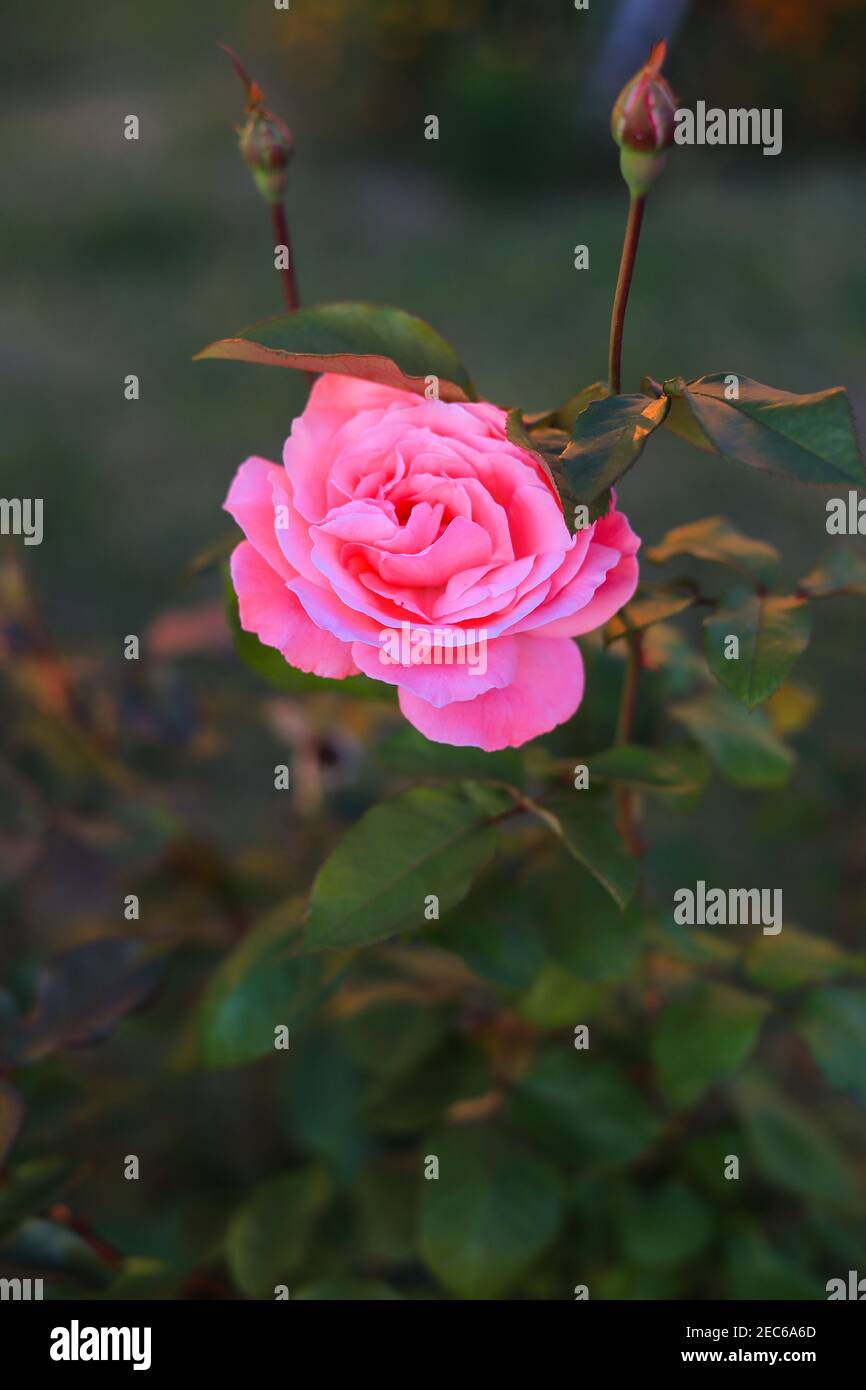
point(624, 726)
point(623, 285)
point(287, 273)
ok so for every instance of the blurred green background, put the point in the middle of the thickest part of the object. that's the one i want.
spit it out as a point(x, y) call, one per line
point(125, 257)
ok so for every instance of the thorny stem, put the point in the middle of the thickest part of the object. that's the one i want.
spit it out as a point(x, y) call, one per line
point(624, 726)
point(623, 285)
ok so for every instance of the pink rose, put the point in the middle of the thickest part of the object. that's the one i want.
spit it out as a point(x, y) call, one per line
point(409, 540)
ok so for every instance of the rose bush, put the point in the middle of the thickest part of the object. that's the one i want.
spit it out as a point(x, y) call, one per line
point(392, 509)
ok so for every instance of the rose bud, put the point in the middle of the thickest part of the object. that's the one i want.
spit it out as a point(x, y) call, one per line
point(266, 143)
point(267, 147)
point(642, 124)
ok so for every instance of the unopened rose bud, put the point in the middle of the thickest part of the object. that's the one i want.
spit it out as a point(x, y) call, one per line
point(642, 124)
point(265, 142)
point(267, 147)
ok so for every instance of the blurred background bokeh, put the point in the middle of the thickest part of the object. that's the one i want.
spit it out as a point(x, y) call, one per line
point(121, 257)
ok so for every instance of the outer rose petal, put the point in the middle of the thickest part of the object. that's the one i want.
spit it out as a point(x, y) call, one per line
point(618, 587)
point(442, 685)
point(547, 689)
point(274, 614)
point(251, 503)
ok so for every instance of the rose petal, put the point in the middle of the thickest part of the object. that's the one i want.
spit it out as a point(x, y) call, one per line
point(270, 610)
point(475, 667)
point(546, 691)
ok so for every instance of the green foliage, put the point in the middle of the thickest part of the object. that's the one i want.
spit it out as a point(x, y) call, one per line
point(833, 1022)
point(372, 341)
point(572, 1105)
point(648, 608)
point(772, 631)
point(40, 1249)
point(607, 439)
point(841, 573)
point(428, 841)
point(492, 1210)
point(265, 983)
point(715, 539)
point(703, 1036)
point(82, 995)
point(790, 1148)
point(269, 1235)
point(796, 958)
point(592, 841)
point(742, 744)
point(806, 439)
point(665, 1227)
point(670, 771)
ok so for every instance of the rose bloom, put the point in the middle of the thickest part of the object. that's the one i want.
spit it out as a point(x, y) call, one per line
point(391, 509)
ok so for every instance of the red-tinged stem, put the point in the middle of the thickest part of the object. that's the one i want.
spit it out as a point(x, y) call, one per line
point(624, 727)
point(101, 1248)
point(287, 274)
point(623, 285)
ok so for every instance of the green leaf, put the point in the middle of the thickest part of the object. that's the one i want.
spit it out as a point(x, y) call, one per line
point(269, 1236)
point(715, 539)
point(47, 1250)
point(664, 1227)
point(321, 1095)
point(673, 771)
point(430, 840)
point(587, 834)
point(741, 743)
point(373, 341)
point(772, 631)
point(557, 997)
point(650, 607)
point(584, 1110)
point(33, 1185)
point(493, 931)
point(421, 1097)
point(566, 415)
point(757, 1272)
point(83, 994)
point(692, 944)
point(386, 1209)
point(548, 447)
point(795, 958)
point(272, 666)
point(585, 929)
point(348, 1291)
point(791, 1149)
point(409, 753)
point(833, 1022)
point(810, 439)
point(607, 439)
point(840, 573)
point(369, 1037)
point(263, 983)
point(492, 1211)
point(703, 1035)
